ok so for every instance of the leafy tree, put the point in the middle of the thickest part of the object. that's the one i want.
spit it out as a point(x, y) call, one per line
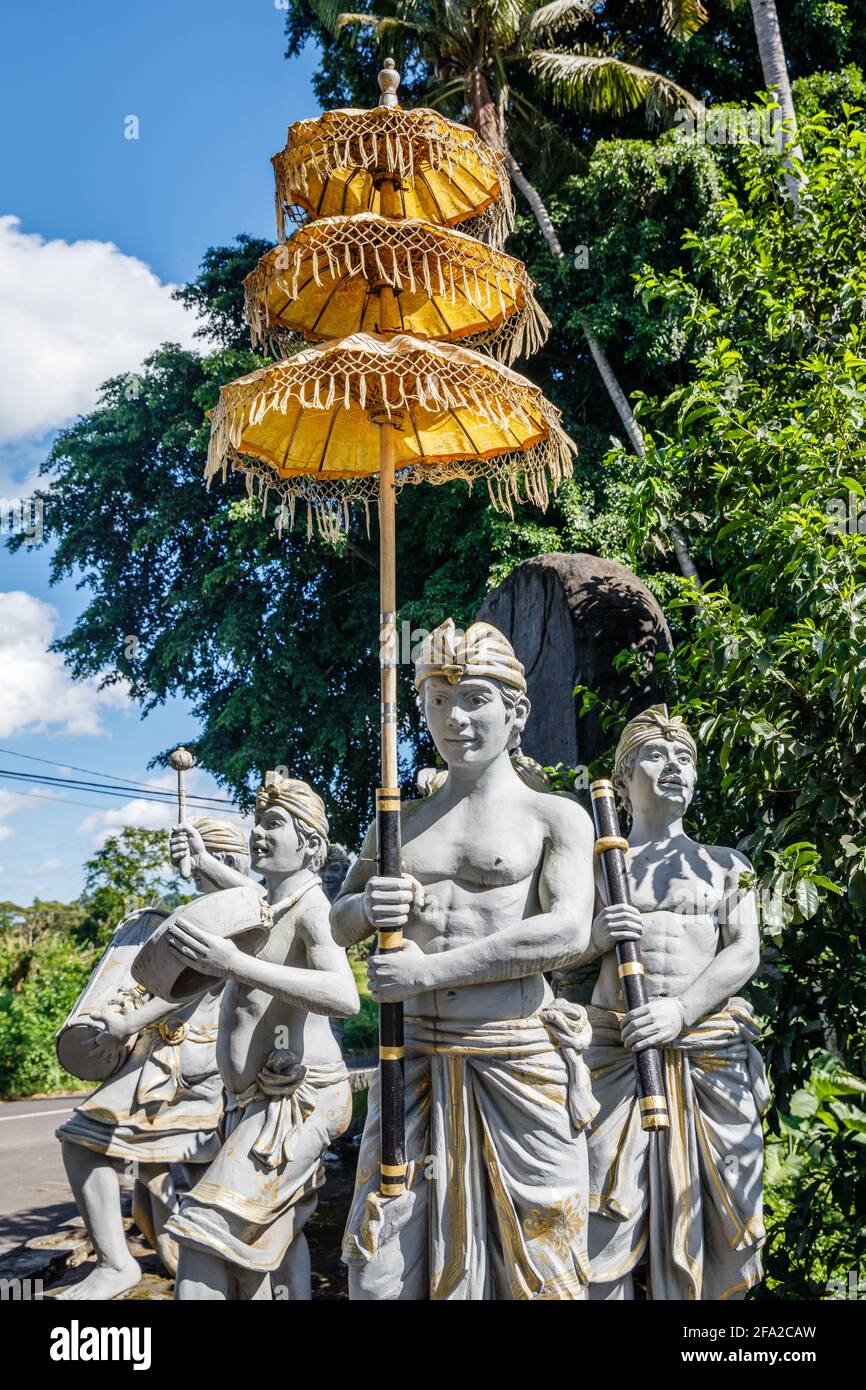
point(131, 870)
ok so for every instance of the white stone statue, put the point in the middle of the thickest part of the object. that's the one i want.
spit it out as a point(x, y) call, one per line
point(162, 1107)
point(334, 870)
point(497, 888)
point(287, 1088)
point(686, 1201)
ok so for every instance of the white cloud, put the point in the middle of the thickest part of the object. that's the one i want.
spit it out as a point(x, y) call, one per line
point(47, 866)
point(10, 802)
point(37, 692)
point(74, 314)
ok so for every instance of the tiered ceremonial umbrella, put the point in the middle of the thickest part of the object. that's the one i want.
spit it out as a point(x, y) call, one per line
point(326, 283)
point(383, 404)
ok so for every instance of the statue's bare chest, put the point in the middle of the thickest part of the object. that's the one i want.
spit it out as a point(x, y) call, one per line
point(690, 884)
point(488, 850)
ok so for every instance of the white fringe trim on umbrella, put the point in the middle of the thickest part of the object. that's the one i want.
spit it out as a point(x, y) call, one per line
point(523, 478)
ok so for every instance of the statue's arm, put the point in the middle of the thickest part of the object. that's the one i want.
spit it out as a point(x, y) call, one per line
point(126, 1025)
point(219, 875)
point(736, 962)
point(324, 986)
point(185, 839)
point(349, 922)
point(553, 939)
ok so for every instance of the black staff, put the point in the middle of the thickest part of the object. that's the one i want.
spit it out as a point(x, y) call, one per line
point(392, 1176)
point(610, 847)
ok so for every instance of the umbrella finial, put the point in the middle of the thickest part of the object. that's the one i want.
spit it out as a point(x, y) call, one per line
point(389, 81)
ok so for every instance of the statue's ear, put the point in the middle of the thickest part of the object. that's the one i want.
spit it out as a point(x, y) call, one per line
point(522, 708)
point(317, 849)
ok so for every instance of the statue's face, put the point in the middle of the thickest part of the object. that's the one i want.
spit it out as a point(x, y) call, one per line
point(275, 845)
point(664, 772)
point(332, 874)
point(469, 721)
point(236, 860)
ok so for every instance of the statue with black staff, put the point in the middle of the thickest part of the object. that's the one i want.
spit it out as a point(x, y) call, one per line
point(161, 1104)
point(497, 888)
point(685, 1201)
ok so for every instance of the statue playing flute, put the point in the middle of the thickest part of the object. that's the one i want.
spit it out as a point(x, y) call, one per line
point(497, 888)
point(685, 1201)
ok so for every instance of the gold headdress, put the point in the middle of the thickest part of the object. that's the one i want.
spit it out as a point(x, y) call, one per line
point(220, 837)
point(654, 722)
point(481, 650)
point(301, 802)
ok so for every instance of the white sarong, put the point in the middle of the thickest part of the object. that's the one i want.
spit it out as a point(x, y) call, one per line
point(685, 1201)
point(498, 1176)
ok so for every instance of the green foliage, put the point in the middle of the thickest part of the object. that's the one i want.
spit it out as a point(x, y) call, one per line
point(128, 872)
point(361, 1033)
point(761, 453)
point(816, 1186)
point(43, 969)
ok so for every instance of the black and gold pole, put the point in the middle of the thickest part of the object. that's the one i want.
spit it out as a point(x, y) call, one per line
point(392, 1161)
point(610, 848)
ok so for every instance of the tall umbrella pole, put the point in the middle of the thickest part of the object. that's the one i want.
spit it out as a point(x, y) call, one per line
point(391, 1050)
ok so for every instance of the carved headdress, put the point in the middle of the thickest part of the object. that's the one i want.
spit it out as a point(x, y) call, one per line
point(480, 651)
point(301, 802)
point(220, 837)
point(654, 722)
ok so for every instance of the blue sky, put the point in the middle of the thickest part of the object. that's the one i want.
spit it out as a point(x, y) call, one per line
point(95, 229)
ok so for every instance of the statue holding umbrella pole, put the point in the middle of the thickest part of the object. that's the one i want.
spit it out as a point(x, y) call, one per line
point(394, 390)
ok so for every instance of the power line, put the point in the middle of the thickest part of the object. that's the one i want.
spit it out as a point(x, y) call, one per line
point(112, 776)
point(143, 793)
point(94, 805)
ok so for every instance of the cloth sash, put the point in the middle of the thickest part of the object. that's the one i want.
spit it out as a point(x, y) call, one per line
point(291, 1091)
point(693, 1192)
point(161, 1078)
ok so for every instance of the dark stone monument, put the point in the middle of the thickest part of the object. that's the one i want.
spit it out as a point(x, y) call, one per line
point(567, 617)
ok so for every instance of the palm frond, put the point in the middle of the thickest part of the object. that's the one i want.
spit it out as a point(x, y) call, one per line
point(682, 18)
point(329, 12)
point(380, 24)
point(601, 83)
point(551, 149)
point(444, 92)
point(559, 14)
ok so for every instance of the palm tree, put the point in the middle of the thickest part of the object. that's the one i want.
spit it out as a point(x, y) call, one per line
point(470, 46)
point(682, 18)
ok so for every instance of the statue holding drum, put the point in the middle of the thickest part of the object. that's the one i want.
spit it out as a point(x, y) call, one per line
point(161, 1099)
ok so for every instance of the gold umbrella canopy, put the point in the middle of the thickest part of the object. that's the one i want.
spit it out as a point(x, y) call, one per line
point(443, 173)
point(309, 427)
point(325, 283)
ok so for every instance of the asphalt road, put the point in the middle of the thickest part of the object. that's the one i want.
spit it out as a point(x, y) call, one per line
point(34, 1193)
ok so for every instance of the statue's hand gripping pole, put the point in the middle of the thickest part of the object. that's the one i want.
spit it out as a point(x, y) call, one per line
point(610, 847)
point(182, 760)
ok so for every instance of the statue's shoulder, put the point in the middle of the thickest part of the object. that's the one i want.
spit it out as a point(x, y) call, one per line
point(731, 860)
point(564, 814)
